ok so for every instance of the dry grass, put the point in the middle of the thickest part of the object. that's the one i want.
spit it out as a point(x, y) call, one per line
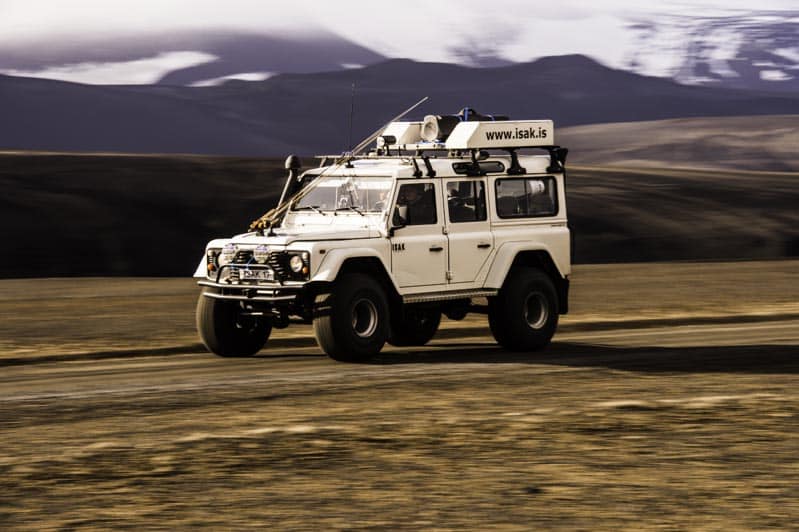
point(622, 435)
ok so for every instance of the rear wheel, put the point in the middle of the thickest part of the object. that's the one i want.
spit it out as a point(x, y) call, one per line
point(353, 321)
point(524, 315)
point(414, 326)
point(225, 332)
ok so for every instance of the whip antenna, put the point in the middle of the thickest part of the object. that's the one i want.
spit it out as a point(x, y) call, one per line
point(352, 113)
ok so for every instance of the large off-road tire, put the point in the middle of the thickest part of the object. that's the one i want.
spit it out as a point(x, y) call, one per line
point(524, 315)
point(414, 326)
point(225, 332)
point(352, 322)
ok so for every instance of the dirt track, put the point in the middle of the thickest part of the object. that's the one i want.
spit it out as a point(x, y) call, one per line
point(683, 417)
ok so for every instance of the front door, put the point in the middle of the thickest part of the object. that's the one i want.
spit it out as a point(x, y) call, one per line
point(419, 250)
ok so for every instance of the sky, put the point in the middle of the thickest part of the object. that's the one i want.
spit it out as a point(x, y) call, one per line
point(445, 30)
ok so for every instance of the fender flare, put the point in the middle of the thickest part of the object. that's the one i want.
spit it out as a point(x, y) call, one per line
point(506, 254)
point(335, 258)
point(202, 267)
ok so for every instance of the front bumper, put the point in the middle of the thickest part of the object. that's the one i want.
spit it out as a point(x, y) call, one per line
point(238, 292)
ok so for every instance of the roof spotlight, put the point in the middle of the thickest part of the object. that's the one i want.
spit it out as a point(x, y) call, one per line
point(438, 127)
point(386, 140)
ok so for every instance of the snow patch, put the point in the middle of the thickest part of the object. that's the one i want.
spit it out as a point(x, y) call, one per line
point(145, 71)
point(774, 75)
point(724, 47)
point(791, 54)
point(243, 76)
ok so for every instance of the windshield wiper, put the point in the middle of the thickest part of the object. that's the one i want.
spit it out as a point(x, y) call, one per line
point(351, 208)
point(314, 208)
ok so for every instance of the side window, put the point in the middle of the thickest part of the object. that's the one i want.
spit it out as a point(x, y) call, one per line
point(466, 201)
point(419, 202)
point(526, 197)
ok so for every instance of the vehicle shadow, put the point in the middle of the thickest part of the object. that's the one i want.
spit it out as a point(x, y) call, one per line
point(716, 359)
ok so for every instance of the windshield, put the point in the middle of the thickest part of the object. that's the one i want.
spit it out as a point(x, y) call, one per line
point(360, 194)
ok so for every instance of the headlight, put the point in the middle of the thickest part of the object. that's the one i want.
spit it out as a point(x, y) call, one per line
point(296, 263)
point(228, 252)
point(261, 254)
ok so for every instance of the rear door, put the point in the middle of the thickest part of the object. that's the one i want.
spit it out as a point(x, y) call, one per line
point(468, 228)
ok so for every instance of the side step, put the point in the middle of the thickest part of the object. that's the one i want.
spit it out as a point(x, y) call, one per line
point(447, 296)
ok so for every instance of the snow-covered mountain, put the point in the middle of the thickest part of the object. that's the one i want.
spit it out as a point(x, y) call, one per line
point(719, 43)
point(188, 58)
point(756, 50)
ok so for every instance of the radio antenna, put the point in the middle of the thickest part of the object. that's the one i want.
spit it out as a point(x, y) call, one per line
point(352, 113)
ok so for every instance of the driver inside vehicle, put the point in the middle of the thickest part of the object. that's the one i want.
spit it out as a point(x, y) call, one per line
point(419, 198)
point(380, 203)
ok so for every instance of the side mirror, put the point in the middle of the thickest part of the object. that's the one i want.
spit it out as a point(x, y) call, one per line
point(399, 217)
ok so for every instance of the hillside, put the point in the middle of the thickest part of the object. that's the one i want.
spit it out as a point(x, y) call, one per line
point(761, 143)
point(152, 215)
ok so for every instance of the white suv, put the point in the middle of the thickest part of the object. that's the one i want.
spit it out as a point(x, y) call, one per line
point(375, 248)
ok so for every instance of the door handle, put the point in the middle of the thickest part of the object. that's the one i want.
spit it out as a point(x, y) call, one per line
point(436, 248)
point(483, 246)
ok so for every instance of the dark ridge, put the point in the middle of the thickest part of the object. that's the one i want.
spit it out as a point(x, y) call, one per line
point(308, 113)
point(74, 215)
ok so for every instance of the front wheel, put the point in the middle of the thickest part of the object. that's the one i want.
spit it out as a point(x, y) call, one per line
point(524, 315)
point(225, 332)
point(352, 324)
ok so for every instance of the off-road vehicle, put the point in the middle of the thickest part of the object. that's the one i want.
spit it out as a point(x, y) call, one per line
point(442, 215)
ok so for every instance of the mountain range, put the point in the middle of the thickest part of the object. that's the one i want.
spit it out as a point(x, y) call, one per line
point(743, 46)
point(309, 112)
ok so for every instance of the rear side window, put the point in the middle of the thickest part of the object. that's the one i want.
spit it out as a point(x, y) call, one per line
point(466, 201)
point(526, 197)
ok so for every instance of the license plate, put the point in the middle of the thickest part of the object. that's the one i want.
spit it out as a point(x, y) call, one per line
point(257, 275)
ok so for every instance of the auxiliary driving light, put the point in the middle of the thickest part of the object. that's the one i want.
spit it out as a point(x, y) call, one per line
point(261, 254)
point(227, 255)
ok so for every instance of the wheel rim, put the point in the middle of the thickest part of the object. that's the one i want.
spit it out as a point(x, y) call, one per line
point(364, 318)
point(536, 310)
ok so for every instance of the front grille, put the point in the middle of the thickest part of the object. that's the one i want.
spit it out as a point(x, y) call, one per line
point(279, 261)
point(243, 256)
